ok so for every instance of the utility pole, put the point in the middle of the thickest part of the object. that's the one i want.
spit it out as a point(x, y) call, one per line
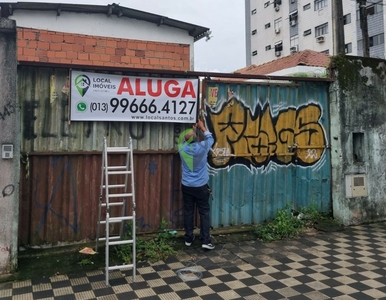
point(338, 27)
point(364, 27)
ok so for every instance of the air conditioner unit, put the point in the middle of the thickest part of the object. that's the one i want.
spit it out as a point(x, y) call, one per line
point(320, 39)
point(293, 23)
point(278, 53)
point(356, 186)
point(294, 49)
point(277, 30)
point(277, 7)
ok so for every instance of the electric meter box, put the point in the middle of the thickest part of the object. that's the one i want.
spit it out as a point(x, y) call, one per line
point(356, 185)
point(7, 151)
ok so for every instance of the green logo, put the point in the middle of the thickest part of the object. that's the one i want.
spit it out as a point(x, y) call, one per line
point(81, 106)
point(82, 83)
point(188, 159)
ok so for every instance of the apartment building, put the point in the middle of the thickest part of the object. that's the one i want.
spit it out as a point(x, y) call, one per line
point(277, 28)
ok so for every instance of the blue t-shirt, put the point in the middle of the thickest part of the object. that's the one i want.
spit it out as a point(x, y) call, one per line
point(194, 159)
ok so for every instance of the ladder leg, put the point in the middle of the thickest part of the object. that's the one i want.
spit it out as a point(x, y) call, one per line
point(100, 196)
point(107, 250)
point(104, 202)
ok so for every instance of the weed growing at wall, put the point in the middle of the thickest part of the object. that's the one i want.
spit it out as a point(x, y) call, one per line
point(151, 249)
point(288, 224)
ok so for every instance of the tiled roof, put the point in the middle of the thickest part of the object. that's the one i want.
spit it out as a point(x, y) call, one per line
point(304, 58)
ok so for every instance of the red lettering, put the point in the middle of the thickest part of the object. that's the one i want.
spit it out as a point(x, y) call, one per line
point(150, 88)
point(188, 90)
point(213, 92)
point(176, 90)
point(138, 91)
point(125, 86)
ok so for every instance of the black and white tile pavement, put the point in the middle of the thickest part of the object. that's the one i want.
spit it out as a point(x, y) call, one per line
point(349, 264)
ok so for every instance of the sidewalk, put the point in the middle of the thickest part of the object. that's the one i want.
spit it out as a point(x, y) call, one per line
point(348, 264)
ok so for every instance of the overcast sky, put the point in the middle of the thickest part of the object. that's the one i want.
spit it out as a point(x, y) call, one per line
point(224, 52)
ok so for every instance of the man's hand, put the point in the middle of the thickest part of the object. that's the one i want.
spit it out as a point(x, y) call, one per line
point(201, 125)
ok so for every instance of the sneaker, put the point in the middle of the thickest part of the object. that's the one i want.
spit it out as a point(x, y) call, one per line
point(189, 244)
point(209, 246)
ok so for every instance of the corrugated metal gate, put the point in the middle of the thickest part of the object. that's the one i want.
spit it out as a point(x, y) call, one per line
point(253, 170)
point(271, 149)
point(61, 164)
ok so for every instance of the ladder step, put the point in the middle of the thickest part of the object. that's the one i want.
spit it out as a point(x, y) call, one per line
point(116, 168)
point(111, 238)
point(120, 267)
point(112, 204)
point(120, 195)
point(118, 172)
point(117, 149)
point(117, 220)
point(121, 242)
point(114, 186)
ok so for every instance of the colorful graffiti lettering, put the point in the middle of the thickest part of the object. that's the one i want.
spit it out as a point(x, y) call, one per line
point(256, 138)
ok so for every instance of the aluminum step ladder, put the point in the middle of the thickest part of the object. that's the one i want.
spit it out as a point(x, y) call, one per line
point(117, 195)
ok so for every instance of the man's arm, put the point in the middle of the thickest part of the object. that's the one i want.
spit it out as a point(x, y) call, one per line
point(207, 135)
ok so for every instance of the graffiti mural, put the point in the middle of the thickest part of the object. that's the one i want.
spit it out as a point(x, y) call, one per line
point(255, 137)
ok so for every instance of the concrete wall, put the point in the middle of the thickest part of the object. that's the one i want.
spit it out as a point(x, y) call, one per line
point(358, 139)
point(9, 134)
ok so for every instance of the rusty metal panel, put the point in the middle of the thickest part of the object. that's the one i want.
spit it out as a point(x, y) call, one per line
point(271, 149)
point(43, 97)
point(59, 197)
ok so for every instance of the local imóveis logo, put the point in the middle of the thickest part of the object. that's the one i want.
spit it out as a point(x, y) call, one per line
point(82, 83)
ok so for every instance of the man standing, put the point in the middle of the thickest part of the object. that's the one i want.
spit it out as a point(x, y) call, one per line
point(195, 189)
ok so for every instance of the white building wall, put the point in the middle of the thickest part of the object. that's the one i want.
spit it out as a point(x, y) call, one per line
point(101, 25)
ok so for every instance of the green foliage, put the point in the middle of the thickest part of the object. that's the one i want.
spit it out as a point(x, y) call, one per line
point(154, 249)
point(285, 225)
point(289, 224)
point(85, 262)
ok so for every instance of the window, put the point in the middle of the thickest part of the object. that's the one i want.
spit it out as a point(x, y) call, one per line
point(372, 10)
point(307, 32)
point(307, 6)
point(293, 16)
point(348, 48)
point(294, 41)
point(267, 47)
point(254, 31)
point(347, 19)
point(253, 12)
point(319, 4)
point(373, 41)
point(266, 4)
point(278, 24)
point(325, 51)
point(321, 30)
point(254, 53)
point(279, 46)
point(377, 40)
point(267, 25)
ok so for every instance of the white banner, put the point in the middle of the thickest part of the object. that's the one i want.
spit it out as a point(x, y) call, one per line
point(105, 97)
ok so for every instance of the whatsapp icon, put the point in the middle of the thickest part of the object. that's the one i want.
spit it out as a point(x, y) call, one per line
point(81, 106)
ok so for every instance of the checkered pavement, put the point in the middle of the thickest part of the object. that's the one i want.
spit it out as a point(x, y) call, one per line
point(348, 264)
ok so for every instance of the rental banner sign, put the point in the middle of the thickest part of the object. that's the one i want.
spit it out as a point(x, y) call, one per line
point(105, 97)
